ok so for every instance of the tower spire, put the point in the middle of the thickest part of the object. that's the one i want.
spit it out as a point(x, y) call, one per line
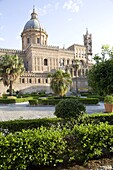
point(33, 8)
point(86, 31)
point(33, 14)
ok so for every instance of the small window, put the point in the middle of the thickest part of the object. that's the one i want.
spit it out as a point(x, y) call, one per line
point(67, 62)
point(38, 80)
point(45, 62)
point(38, 40)
point(46, 80)
point(23, 81)
point(28, 40)
point(30, 81)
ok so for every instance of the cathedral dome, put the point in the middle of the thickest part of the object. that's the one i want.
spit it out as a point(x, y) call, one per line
point(33, 22)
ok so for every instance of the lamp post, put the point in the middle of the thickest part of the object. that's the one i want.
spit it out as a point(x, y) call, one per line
point(75, 65)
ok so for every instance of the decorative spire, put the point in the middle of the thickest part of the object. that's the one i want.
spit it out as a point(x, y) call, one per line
point(33, 14)
point(86, 31)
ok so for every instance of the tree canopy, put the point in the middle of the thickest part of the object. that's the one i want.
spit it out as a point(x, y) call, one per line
point(100, 77)
point(60, 82)
point(11, 66)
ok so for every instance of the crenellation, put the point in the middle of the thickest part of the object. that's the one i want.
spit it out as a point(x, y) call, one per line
point(11, 51)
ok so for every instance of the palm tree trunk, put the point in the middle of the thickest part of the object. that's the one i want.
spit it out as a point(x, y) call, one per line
point(10, 89)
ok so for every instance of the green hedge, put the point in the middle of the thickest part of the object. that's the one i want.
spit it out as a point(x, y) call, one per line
point(16, 100)
point(7, 101)
point(17, 125)
point(33, 102)
point(52, 101)
point(19, 100)
point(53, 146)
point(101, 98)
point(41, 147)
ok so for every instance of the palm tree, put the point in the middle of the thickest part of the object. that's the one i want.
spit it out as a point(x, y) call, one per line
point(60, 82)
point(11, 66)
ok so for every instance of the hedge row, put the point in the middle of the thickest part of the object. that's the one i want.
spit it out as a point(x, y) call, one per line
point(14, 100)
point(51, 147)
point(52, 101)
point(17, 125)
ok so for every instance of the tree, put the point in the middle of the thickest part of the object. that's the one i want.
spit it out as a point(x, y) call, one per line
point(100, 77)
point(11, 66)
point(60, 82)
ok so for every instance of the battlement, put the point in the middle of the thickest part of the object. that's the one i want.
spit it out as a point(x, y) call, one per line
point(31, 74)
point(11, 51)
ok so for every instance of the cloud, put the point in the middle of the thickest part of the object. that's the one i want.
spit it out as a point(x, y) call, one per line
point(0, 14)
point(2, 39)
point(1, 27)
point(48, 7)
point(72, 5)
point(69, 19)
point(45, 9)
point(57, 5)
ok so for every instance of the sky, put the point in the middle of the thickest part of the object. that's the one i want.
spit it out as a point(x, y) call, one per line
point(64, 20)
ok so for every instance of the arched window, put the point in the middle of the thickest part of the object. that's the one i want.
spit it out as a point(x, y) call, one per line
point(46, 80)
point(68, 62)
point(28, 40)
point(30, 81)
point(23, 80)
point(38, 40)
point(38, 80)
point(45, 62)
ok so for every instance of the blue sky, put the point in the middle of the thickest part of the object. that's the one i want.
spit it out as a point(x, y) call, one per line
point(64, 20)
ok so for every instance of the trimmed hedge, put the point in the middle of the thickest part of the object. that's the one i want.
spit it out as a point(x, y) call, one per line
point(17, 125)
point(33, 102)
point(7, 101)
point(52, 101)
point(12, 99)
point(53, 146)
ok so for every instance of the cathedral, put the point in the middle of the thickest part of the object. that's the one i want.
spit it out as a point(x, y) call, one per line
point(40, 59)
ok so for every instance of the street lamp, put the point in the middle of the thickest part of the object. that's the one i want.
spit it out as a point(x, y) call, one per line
point(75, 66)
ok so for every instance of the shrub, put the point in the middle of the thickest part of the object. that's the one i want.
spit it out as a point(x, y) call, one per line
point(108, 99)
point(11, 97)
point(7, 101)
point(19, 100)
point(33, 102)
point(56, 100)
point(69, 108)
point(41, 147)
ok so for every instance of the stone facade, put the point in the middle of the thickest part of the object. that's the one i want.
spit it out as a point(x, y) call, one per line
point(39, 59)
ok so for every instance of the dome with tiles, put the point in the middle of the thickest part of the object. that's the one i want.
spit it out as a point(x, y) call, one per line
point(33, 22)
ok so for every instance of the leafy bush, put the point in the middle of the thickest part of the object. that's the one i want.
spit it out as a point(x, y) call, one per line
point(33, 102)
point(7, 101)
point(108, 99)
point(90, 142)
point(53, 146)
point(40, 147)
point(56, 100)
point(11, 97)
point(89, 100)
point(26, 99)
point(68, 108)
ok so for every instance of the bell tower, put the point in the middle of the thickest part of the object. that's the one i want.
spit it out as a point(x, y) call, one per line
point(88, 42)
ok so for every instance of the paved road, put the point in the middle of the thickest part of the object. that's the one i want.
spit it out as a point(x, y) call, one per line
point(24, 111)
